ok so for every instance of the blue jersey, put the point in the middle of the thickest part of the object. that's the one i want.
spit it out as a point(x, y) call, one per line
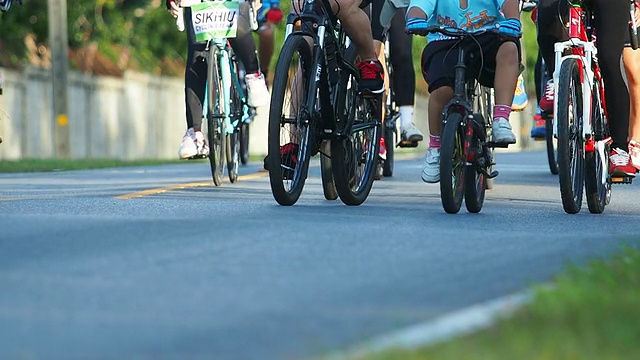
point(479, 14)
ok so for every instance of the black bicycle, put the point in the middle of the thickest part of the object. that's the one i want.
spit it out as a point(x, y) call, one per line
point(466, 157)
point(316, 107)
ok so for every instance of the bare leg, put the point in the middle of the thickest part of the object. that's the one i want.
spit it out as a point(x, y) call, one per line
point(357, 25)
point(632, 67)
point(438, 99)
point(507, 66)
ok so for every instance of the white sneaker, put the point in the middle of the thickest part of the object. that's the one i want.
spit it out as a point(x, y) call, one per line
point(411, 133)
point(188, 146)
point(431, 166)
point(257, 92)
point(502, 133)
point(201, 144)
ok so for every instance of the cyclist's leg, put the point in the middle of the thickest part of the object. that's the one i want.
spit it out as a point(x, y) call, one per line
point(404, 76)
point(440, 79)
point(193, 142)
point(245, 48)
point(550, 30)
point(502, 58)
point(632, 67)
point(266, 35)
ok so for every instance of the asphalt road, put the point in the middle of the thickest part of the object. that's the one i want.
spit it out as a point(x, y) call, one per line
point(89, 268)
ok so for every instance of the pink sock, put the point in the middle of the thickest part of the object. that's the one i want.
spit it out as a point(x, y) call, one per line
point(501, 111)
point(434, 141)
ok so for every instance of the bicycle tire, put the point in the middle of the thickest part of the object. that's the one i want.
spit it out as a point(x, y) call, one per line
point(570, 141)
point(552, 151)
point(233, 156)
point(244, 143)
point(596, 182)
point(452, 158)
point(475, 182)
point(389, 142)
point(215, 125)
point(326, 172)
point(286, 190)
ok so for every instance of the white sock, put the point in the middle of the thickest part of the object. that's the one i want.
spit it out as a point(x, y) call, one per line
point(406, 115)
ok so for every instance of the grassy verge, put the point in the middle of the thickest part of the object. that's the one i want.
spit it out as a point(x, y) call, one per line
point(39, 165)
point(593, 312)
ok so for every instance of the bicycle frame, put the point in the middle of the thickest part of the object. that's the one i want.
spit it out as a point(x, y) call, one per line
point(585, 53)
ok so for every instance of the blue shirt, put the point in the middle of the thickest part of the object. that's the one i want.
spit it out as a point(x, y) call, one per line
point(479, 14)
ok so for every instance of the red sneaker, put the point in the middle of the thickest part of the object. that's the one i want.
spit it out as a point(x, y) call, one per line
point(546, 103)
point(620, 163)
point(371, 76)
point(383, 149)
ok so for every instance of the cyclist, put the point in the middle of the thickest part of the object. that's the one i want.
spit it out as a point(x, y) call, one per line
point(500, 53)
point(612, 29)
point(193, 142)
point(268, 15)
point(357, 25)
point(632, 66)
point(404, 77)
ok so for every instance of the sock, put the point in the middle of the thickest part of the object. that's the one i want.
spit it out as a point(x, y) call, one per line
point(434, 141)
point(406, 115)
point(501, 111)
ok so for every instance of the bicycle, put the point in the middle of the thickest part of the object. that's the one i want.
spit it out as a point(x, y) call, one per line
point(315, 105)
point(581, 125)
point(466, 157)
point(225, 107)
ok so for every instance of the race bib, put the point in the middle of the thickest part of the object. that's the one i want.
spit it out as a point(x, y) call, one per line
point(215, 19)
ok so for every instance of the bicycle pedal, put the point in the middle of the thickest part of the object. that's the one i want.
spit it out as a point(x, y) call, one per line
point(498, 145)
point(493, 174)
point(198, 157)
point(407, 144)
point(622, 179)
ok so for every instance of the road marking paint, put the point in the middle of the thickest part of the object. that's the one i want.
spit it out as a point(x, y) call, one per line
point(10, 199)
point(161, 190)
point(443, 328)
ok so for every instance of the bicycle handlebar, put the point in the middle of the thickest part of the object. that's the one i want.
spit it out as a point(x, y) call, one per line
point(453, 32)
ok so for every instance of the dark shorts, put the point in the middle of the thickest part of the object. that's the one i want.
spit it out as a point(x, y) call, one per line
point(439, 59)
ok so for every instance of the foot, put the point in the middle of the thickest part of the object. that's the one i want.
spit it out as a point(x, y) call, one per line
point(539, 129)
point(201, 144)
point(546, 103)
point(188, 148)
point(431, 166)
point(501, 131)
point(371, 76)
point(257, 92)
point(383, 149)
point(620, 163)
point(288, 160)
point(411, 133)
point(520, 99)
point(634, 153)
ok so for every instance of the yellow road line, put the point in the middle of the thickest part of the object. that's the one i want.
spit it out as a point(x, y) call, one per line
point(161, 190)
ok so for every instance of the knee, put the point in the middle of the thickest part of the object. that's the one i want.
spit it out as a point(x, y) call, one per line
point(343, 8)
point(632, 66)
point(440, 96)
point(508, 53)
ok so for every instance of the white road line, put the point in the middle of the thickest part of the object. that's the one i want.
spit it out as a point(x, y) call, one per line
point(443, 328)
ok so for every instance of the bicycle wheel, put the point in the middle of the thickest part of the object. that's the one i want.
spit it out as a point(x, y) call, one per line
point(328, 184)
point(452, 164)
point(233, 155)
point(244, 143)
point(597, 182)
point(289, 134)
point(475, 181)
point(355, 158)
point(570, 138)
point(390, 143)
point(215, 123)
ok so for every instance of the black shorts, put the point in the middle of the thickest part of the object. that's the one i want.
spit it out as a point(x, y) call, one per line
point(440, 57)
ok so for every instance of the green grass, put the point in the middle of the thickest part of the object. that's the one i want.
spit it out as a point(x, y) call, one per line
point(40, 165)
point(592, 312)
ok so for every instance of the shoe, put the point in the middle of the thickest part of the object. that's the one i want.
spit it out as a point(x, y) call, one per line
point(257, 92)
point(371, 76)
point(620, 163)
point(201, 145)
point(188, 148)
point(431, 166)
point(520, 99)
point(383, 149)
point(411, 133)
point(634, 153)
point(539, 128)
point(288, 160)
point(501, 131)
point(546, 103)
